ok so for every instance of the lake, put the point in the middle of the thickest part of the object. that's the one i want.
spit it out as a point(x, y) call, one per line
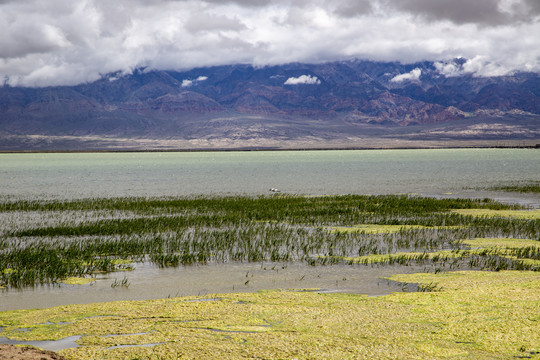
point(440, 173)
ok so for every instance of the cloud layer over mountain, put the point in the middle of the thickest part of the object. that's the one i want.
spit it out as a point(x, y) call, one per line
point(65, 42)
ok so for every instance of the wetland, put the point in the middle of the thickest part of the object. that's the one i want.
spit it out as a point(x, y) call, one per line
point(429, 275)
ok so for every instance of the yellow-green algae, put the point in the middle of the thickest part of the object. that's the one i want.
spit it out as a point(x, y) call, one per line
point(479, 246)
point(503, 247)
point(385, 258)
point(519, 214)
point(78, 280)
point(373, 228)
point(475, 315)
point(382, 229)
point(501, 243)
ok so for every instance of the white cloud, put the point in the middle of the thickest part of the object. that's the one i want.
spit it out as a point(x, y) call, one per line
point(188, 82)
point(303, 79)
point(413, 75)
point(448, 69)
point(57, 42)
point(478, 66)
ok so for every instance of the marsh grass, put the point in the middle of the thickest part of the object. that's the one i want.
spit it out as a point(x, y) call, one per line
point(83, 237)
point(528, 187)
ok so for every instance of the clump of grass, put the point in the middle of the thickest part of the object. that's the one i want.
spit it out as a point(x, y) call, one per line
point(122, 283)
point(530, 187)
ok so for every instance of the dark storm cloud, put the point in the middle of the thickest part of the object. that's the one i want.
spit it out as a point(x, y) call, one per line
point(57, 42)
point(482, 12)
point(457, 11)
point(353, 8)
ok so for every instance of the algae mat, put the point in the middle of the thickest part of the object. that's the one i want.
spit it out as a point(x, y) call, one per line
point(518, 214)
point(471, 315)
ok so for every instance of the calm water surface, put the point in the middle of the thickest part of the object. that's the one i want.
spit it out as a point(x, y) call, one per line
point(442, 173)
point(148, 281)
point(427, 172)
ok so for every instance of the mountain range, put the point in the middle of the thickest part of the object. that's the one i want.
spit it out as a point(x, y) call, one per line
point(346, 104)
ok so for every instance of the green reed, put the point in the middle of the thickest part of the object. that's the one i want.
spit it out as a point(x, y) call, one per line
point(82, 237)
point(529, 187)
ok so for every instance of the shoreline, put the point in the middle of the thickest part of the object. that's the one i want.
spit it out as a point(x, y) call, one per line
point(261, 149)
point(85, 144)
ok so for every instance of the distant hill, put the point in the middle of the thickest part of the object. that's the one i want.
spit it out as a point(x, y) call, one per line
point(344, 104)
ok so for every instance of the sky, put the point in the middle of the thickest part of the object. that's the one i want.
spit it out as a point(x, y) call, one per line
point(67, 42)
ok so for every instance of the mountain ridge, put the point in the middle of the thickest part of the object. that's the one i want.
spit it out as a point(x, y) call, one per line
point(336, 102)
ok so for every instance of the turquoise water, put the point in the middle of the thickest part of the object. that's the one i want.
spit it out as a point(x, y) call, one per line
point(428, 172)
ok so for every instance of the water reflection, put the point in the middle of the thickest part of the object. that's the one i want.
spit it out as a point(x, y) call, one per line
point(53, 345)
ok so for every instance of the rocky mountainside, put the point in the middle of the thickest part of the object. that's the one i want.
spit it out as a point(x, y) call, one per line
point(292, 102)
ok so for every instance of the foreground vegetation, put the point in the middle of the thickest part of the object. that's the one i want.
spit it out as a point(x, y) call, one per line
point(459, 314)
point(50, 241)
point(467, 315)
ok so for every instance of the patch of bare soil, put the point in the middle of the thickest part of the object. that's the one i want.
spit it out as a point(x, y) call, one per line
point(27, 353)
